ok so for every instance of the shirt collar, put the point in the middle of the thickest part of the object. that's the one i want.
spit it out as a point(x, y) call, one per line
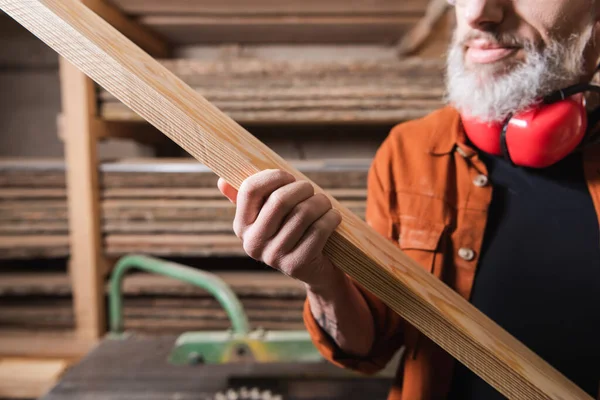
point(449, 135)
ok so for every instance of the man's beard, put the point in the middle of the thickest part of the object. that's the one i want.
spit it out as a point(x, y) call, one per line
point(483, 93)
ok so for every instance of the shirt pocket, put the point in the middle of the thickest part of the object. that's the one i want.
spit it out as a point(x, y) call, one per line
point(420, 240)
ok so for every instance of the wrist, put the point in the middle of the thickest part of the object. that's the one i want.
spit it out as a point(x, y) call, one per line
point(329, 279)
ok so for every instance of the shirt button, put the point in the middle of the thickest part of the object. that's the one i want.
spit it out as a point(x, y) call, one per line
point(466, 254)
point(480, 180)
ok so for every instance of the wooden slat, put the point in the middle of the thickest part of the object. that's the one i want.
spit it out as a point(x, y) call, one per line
point(268, 7)
point(34, 246)
point(218, 142)
point(363, 113)
point(139, 34)
point(308, 87)
point(29, 378)
point(24, 343)
point(79, 111)
point(148, 208)
point(252, 284)
point(193, 29)
point(169, 174)
point(153, 303)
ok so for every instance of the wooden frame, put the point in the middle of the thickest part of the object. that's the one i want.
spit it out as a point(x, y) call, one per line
point(197, 126)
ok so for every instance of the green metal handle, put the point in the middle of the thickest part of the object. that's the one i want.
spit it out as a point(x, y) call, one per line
point(205, 280)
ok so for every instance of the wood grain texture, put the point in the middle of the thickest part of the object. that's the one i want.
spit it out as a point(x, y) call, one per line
point(145, 38)
point(23, 343)
point(79, 110)
point(162, 205)
point(153, 303)
point(269, 7)
point(28, 378)
point(308, 87)
point(232, 153)
point(210, 29)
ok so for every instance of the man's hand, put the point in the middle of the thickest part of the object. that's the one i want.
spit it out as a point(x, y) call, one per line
point(283, 223)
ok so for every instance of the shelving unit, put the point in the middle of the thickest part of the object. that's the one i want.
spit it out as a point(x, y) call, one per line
point(300, 74)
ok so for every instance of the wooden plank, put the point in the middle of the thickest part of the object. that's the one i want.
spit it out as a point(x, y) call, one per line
point(33, 246)
point(267, 7)
point(308, 87)
point(140, 133)
point(139, 34)
point(362, 113)
point(31, 193)
point(153, 303)
point(29, 378)
point(79, 111)
point(253, 283)
point(132, 210)
point(419, 34)
point(23, 343)
point(174, 245)
point(210, 29)
point(218, 142)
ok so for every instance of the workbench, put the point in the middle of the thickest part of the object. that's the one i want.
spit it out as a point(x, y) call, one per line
point(137, 368)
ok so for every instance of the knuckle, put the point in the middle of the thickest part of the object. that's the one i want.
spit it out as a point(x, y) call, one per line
point(272, 258)
point(301, 213)
point(282, 175)
point(253, 248)
point(305, 186)
point(323, 200)
point(279, 199)
point(249, 188)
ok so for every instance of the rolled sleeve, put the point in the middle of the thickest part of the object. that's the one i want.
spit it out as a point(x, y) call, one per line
point(388, 324)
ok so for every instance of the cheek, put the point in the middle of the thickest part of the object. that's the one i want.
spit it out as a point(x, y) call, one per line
point(559, 19)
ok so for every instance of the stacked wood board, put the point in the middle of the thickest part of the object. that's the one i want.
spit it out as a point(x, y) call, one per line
point(155, 304)
point(264, 21)
point(165, 208)
point(317, 85)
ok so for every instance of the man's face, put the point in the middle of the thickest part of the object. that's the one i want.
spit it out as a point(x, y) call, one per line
point(506, 54)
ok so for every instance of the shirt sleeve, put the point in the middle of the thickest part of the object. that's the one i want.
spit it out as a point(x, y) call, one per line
point(388, 324)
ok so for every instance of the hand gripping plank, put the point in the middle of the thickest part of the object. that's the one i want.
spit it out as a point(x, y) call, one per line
point(213, 138)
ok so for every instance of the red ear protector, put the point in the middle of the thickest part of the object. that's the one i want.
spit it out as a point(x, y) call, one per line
point(541, 136)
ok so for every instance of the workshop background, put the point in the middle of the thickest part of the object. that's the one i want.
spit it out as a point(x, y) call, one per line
point(84, 181)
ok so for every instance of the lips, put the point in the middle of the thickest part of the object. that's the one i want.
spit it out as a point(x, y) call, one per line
point(485, 52)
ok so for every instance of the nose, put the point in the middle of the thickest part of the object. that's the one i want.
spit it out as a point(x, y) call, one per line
point(480, 13)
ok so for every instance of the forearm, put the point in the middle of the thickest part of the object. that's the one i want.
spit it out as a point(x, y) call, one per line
point(341, 311)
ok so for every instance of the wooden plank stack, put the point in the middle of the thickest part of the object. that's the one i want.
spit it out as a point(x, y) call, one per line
point(160, 207)
point(262, 86)
point(155, 304)
point(263, 21)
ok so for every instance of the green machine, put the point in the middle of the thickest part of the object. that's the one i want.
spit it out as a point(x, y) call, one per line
point(235, 364)
point(239, 344)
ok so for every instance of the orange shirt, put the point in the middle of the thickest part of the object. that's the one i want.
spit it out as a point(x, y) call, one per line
point(428, 192)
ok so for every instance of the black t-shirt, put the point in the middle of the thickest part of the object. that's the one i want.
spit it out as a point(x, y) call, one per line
point(539, 272)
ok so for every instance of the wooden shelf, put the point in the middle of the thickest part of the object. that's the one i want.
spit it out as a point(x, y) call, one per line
point(233, 21)
point(254, 87)
point(164, 208)
point(153, 304)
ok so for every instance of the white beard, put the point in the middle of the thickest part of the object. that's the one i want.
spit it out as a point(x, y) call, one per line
point(492, 98)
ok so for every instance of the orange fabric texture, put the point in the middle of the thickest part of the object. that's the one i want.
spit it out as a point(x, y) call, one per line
point(428, 194)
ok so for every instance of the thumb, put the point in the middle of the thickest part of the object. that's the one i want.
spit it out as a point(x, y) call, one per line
point(228, 191)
